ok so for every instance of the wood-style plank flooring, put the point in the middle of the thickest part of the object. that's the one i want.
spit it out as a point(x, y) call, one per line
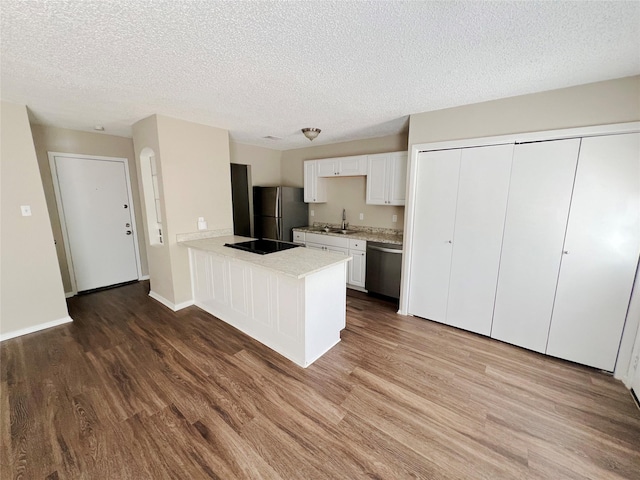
point(131, 390)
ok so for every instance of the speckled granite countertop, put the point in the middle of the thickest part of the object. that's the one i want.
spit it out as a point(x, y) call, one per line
point(370, 234)
point(295, 262)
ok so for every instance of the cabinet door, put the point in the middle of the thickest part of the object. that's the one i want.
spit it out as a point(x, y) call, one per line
point(314, 188)
point(397, 173)
point(601, 245)
point(200, 273)
point(350, 166)
point(377, 180)
point(327, 168)
point(310, 181)
point(218, 269)
point(357, 268)
point(342, 250)
point(539, 196)
point(433, 222)
point(480, 213)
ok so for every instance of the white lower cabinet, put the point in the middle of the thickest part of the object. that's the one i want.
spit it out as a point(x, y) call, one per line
point(356, 269)
point(300, 318)
point(358, 265)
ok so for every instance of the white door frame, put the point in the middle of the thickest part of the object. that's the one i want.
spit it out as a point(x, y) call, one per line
point(63, 224)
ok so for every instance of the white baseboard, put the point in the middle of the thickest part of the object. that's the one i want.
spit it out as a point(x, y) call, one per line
point(144, 277)
point(35, 328)
point(70, 294)
point(169, 304)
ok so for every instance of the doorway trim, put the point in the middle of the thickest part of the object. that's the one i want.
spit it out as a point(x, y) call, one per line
point(63, 224)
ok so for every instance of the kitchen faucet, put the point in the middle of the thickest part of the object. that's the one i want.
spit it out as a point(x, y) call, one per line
point(344, 220)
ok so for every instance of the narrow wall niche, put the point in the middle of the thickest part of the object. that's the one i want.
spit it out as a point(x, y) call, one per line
point(151, 192)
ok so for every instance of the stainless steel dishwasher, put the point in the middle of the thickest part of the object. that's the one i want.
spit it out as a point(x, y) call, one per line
point(384, 262)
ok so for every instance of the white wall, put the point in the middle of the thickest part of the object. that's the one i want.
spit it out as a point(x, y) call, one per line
point(31, 286)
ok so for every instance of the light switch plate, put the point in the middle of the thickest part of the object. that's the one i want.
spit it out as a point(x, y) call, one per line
point(312, 213)
point(26, 210)
point(394, 218)
point(362, 216)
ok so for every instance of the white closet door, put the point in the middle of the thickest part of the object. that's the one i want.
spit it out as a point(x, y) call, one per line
point(602, 245)
point(435, 209)
point(539, 197)
point(480, 213)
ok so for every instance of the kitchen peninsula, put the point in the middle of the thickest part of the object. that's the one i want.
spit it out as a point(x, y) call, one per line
point(292, 301)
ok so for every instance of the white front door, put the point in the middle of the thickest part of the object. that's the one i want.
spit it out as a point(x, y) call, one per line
point(95, 210)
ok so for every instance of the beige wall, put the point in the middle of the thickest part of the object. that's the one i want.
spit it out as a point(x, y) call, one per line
point(32, 291)
point(613, 101)
point(145, 135)
point(265, 163)
point(195, 181)
point(345, 192)
point(52, 139)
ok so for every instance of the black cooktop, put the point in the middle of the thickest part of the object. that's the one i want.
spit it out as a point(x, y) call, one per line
point(263, 246)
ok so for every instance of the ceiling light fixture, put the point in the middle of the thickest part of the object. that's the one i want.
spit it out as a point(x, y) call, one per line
point(311, 133)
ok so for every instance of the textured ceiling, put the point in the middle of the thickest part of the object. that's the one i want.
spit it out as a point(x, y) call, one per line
point(354, 69)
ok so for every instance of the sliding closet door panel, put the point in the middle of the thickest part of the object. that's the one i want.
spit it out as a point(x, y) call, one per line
point(480, 213)
point(602, 245)
point(437, 189)
point(539, 197)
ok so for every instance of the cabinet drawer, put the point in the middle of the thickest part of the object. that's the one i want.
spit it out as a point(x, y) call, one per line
point(327, 240)
point(360, 245)
point(298, 237)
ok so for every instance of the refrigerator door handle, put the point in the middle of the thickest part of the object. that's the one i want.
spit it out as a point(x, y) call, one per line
point(277, 205)
point(278, 229)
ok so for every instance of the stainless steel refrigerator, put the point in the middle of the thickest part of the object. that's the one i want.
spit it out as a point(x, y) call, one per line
point(277, 210)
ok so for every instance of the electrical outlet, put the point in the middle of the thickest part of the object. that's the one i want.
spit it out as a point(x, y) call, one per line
point(362, 216)
point(394, 218)
point(312, 213)
point(635, 362)
point(26, 210)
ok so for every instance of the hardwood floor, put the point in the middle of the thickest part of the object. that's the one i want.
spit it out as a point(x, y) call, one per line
point(131, 390)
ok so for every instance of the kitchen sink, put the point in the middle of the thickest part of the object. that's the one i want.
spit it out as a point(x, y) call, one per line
point(343, 232)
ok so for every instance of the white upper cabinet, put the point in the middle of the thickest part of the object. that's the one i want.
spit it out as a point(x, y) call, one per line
point(327, 168)
point(539, 197)
point(315, 190)
point(343, 166)
point(386, 178)
point(601, 251)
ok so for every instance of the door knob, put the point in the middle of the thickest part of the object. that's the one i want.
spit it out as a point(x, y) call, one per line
point(129, 232)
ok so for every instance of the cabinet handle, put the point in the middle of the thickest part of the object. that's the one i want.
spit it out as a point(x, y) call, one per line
point(565, 252)
point(449, 241)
